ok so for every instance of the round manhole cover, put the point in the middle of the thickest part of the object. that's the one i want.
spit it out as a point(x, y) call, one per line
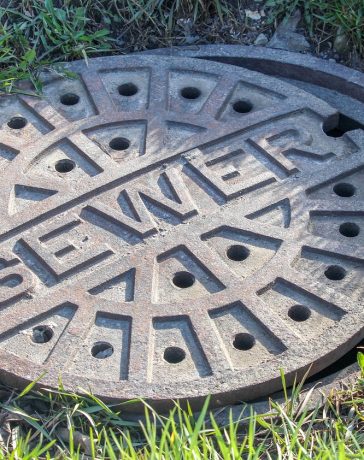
point(173, 228)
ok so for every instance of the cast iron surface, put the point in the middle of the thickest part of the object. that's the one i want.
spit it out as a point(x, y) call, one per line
point(283, 64)
point(173, 228)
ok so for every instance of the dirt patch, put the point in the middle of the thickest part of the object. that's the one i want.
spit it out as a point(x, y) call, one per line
point(248, 25)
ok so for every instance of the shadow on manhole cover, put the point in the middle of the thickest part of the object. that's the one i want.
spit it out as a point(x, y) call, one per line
point(173, 228)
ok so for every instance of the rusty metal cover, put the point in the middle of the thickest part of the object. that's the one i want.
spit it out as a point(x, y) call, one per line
point(172, 228)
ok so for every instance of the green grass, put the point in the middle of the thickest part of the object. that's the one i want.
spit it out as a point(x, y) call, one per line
point(38, 34)
point(326, 18)
point(58, 424)
point(35, 34)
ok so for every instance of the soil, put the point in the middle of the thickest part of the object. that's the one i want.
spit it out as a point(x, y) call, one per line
point(241, 28)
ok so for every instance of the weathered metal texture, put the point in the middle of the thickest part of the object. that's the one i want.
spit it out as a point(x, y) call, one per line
point(340, 86)
point(173, 228)
point(279, 63)
point(313, 394)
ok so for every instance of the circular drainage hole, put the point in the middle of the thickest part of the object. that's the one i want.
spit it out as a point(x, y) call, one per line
point(42, 334)
point(174, 355)
point(17, 122)
point(190, 92)
point(69, 99)
point(128, 89)
point(237, 252)
point(299, 313)
point(242, 106)
point(102, 350)
point(349, 229)
point(335, 273)
point(243, 341)
point(119, 143)
point(344, 190)
point(64, 166)
point(183, 280)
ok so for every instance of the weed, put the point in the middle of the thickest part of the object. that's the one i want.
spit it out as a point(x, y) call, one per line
point(332, 16)
point(38, 34)
point(59, 424)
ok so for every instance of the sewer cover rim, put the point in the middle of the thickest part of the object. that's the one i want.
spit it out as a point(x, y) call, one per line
point(152, 393)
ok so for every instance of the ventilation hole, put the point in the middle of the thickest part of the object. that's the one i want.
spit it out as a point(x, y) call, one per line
point(174, 355)
point(183, 280)
point(344, 190)
point(128, 89)
point(64, 166)
point(349, 229)
point(17, 122)
point(343, 125)
point(243, 341)
point(119, 143)
point(42, 334)
point(242, 106)
point(237, 252)
point(335, 273)
point(190, 92)
point(335, 132)
point(102, 350)
point(299, 313)
point(69, 99)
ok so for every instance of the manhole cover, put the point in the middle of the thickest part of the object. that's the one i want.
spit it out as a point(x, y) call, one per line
point(173, 228)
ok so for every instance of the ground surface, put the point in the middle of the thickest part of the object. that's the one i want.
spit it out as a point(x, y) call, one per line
point(63, 425)
point(34, 34)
